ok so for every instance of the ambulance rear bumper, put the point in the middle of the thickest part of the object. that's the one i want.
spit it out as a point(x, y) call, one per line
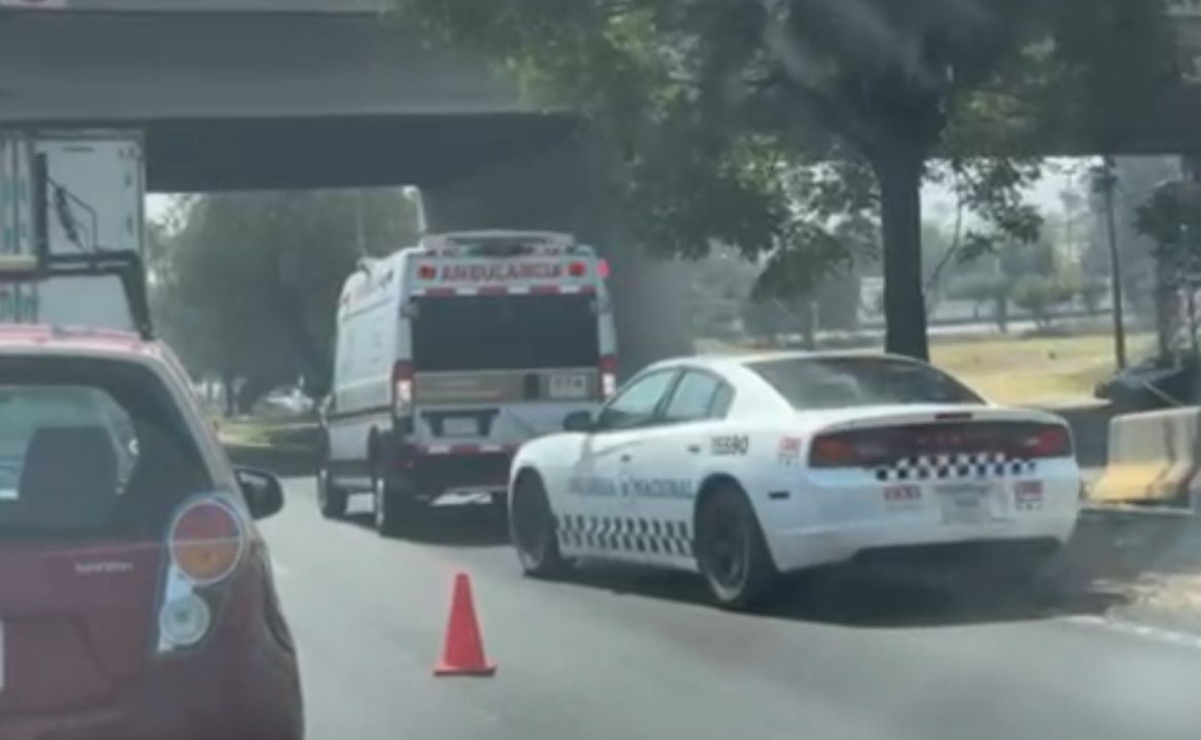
point(429, 474)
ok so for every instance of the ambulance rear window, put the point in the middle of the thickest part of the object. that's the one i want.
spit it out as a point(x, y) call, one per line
point(510, 332)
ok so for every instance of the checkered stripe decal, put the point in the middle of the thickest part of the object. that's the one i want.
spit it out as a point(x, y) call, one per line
point(654, 536)
point(962, 465)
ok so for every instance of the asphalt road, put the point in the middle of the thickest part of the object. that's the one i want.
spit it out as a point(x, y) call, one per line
point(621, 656)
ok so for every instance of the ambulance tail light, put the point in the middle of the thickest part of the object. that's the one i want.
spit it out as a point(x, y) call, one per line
point(402, 389)
point(608, 369)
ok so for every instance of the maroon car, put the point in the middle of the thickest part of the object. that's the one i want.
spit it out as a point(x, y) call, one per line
point(136, 594)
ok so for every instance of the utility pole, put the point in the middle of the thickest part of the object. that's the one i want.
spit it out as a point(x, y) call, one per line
point(1105, 181)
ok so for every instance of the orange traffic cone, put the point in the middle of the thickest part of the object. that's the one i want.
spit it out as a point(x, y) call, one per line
point(463, 652)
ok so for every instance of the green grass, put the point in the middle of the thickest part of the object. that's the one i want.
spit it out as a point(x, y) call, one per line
point(1015, 370)
point(253, 433)
point(1011, 369)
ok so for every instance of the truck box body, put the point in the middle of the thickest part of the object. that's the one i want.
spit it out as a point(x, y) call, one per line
point(95, 203)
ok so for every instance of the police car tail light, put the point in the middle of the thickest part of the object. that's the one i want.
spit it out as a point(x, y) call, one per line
point(850, 450)
point(608, 369)
point(833, 452)
point(1044, 440)
point(577, 269)
point(402, 389)
point(602, 269)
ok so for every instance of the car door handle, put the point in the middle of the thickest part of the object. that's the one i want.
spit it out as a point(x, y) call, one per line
point(625, 458)
point(695, 449)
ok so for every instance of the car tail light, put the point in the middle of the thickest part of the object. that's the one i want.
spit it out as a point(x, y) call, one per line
point(852, 449)
point(577, 269)
point(185, 621)
point(206, 543)
point(869, 447)
point(1049, 440)
point(608, 369)
point(402, 389)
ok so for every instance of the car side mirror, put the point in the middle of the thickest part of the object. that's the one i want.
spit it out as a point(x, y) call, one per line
point(263, 492)
point(579, 421)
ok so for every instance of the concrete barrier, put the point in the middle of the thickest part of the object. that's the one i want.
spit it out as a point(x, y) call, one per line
point(1153, 458)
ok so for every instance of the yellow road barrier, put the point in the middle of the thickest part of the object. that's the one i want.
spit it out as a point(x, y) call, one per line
point(1154, 457)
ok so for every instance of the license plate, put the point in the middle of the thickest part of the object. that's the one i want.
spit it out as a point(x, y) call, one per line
point(966, 504)
point(569, 386)
point(460, 428)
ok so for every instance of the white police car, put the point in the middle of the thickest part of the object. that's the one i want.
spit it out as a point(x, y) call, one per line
point(742, 468)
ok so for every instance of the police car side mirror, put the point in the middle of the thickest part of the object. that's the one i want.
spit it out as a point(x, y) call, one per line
point(578, 421)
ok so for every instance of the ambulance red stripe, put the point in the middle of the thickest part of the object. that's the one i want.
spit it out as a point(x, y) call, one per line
point(498, 290)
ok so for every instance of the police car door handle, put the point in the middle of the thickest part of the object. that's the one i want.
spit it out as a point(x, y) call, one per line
point(695, 449)
point(625, 457)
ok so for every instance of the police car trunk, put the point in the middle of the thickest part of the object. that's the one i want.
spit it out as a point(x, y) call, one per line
point(509, 332)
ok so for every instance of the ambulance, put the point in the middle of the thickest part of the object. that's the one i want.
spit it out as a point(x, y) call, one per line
point(451, 354)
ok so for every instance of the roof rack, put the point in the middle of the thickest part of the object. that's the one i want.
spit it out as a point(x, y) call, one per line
point(42, 265)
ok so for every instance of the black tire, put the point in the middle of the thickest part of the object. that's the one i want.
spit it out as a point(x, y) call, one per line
point(731, 552)
point(331, 499)
point(532, 530)
point(395, 508)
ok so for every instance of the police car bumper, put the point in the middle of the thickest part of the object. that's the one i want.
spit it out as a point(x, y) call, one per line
point(831, 526)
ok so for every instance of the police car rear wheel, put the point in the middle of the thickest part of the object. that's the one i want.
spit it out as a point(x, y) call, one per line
point(731, 552)
point(532, 529)
point(330, 498)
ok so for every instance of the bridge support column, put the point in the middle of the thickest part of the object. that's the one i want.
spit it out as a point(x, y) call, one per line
point(560, 187)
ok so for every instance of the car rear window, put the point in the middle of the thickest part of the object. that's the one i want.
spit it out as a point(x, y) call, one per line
point(842, 382)
point(91, 448)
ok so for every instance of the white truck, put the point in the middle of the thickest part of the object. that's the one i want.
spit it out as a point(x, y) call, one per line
point(94, 201)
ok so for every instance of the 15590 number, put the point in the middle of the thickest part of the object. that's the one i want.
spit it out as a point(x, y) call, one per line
point(731, 445)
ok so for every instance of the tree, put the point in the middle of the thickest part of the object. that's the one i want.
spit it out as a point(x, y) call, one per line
point(985, 288)
point(253, 280)
point(1041, 295)
point(720, 286)
point(712, 106)
point(1172, 218)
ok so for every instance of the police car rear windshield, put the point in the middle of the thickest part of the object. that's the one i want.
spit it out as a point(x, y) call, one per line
point(508, 332)
point(90, 449)
point(841, 382)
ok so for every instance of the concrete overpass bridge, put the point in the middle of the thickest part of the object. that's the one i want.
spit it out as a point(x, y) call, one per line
point(249, 94)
